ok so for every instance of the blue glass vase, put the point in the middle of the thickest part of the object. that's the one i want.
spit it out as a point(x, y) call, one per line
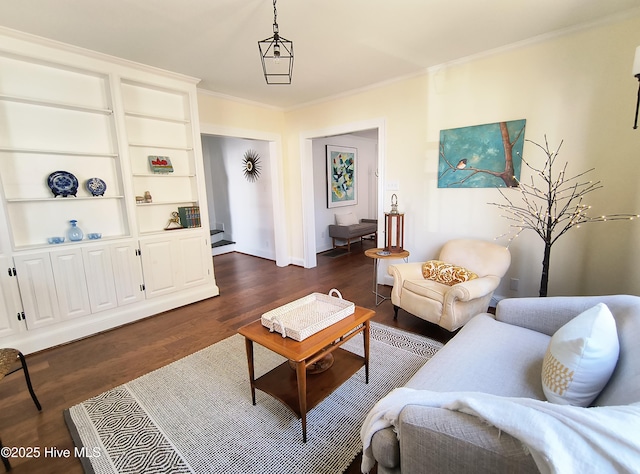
point(74, 233)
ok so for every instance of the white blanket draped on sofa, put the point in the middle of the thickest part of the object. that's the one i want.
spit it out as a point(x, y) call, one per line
point(561, 438)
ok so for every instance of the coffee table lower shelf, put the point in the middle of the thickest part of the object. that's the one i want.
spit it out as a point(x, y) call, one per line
point(281, 382)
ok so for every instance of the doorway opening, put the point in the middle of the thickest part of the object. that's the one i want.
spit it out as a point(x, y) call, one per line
point(247, 213)
point(315, 213)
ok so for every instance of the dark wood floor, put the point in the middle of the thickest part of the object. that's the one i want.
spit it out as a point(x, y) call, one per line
point(249, 286)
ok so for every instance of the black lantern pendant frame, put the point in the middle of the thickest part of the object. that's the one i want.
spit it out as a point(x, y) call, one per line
point(276, 54)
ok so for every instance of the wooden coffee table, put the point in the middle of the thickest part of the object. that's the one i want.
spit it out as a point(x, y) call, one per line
point(296, 389)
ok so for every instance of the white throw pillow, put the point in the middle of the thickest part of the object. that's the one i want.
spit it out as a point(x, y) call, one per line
point(581, 357)
point(346, 219)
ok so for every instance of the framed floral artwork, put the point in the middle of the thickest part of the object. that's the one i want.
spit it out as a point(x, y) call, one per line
point(341, 176)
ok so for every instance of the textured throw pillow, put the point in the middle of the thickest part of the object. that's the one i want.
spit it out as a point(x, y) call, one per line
point(446, 273)
point(581, 357)
point(346, 219)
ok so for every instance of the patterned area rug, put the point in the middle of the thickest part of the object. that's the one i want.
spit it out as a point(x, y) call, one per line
point(196, 416)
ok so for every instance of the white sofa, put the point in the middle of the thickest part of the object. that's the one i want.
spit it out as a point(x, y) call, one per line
point(503, 356)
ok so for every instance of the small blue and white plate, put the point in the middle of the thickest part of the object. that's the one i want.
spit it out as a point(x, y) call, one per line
point(96, 186)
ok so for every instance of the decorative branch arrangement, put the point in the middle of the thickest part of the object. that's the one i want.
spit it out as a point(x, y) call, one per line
point(553, 207)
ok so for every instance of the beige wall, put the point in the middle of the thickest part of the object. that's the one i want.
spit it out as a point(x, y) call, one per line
point(217, 110)
point(576, 87)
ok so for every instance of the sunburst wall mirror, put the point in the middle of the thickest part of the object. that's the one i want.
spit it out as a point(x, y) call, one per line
point(251, 165)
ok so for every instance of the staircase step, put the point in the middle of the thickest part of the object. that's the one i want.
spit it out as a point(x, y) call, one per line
point(221, 243)
point(216, 231)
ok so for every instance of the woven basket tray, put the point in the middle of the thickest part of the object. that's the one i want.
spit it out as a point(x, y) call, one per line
point(306, 316)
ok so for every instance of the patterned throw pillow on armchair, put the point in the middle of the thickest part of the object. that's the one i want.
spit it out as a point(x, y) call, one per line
point(446, 273)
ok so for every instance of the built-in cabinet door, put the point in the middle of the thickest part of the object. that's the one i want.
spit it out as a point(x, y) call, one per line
point(194, 257)
point(100, 278)
point(160, 266)
point(37, 289)
point(127, 272)
point(10, 308)
point(71, 283)
point(177, 261)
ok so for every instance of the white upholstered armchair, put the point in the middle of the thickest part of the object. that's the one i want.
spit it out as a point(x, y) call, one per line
point(451, 290)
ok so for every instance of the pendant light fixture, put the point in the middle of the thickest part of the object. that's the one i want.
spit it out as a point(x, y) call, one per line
point(276, 53)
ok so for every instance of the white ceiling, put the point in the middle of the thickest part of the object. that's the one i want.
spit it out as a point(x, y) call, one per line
point(340, 45)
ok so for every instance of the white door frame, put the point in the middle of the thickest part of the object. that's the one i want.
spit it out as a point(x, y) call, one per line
point(307, 178)
point(275, 160)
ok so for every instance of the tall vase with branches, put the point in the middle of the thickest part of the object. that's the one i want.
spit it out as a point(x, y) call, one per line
point(551, 204)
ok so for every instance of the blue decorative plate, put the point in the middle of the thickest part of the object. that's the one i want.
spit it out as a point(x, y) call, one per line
point(96, 186)
point(62, 183)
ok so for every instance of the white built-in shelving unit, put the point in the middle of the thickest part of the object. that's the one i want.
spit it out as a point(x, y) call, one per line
point(158, 123)
point(57, 119)
point(93, 116)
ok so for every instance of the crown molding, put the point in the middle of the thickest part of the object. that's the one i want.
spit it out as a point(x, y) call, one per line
point(49, 43)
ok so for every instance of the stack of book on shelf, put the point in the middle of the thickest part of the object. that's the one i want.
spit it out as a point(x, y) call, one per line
point(189, 216)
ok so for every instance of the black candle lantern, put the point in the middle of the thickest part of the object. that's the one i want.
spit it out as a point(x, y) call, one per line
point(394, 228)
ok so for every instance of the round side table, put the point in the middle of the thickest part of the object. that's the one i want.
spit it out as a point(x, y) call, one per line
point(377, 255)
